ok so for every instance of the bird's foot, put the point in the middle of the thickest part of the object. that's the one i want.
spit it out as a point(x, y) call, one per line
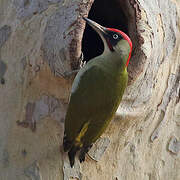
point(83, 152)
point(68, 74)
point(82, 61)
point(82, 157)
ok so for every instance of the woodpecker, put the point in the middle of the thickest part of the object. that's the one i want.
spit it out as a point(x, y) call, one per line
point(96, 92)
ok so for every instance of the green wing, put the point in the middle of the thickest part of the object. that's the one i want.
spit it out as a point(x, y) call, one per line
point(94, 100)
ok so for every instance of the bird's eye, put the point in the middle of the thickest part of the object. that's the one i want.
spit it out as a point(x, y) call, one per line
point(115, 36)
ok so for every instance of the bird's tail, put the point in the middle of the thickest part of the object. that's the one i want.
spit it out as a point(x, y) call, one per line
point(72, 154)
point(71, 148)
point(67, 144)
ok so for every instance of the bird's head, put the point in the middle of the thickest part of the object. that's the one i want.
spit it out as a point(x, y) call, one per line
point(114, 40)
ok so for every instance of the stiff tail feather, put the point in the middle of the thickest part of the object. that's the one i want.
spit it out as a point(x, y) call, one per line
point(72, 154)
point(67, 144)
point(73, 146)
point(69, 147)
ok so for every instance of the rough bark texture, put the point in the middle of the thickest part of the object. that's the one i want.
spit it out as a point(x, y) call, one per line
point(39, 40)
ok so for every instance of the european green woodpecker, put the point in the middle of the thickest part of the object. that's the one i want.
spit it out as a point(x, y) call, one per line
point(96, 92)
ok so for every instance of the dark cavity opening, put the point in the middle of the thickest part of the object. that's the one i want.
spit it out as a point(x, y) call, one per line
point(107, 13)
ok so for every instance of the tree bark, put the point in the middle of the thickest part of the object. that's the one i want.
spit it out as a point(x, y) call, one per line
point(40, 40)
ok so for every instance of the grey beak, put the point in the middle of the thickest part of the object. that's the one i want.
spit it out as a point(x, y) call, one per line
point(97, 27)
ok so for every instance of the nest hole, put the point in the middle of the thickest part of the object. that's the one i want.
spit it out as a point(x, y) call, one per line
point(108, 14)
point(122, 15)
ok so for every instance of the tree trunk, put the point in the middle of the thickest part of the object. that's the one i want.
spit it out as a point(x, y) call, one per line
point(40, 40)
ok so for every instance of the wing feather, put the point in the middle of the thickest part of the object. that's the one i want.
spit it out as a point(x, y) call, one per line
point(93, 98)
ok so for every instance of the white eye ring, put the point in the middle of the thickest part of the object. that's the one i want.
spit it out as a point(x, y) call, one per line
point(115, 36)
